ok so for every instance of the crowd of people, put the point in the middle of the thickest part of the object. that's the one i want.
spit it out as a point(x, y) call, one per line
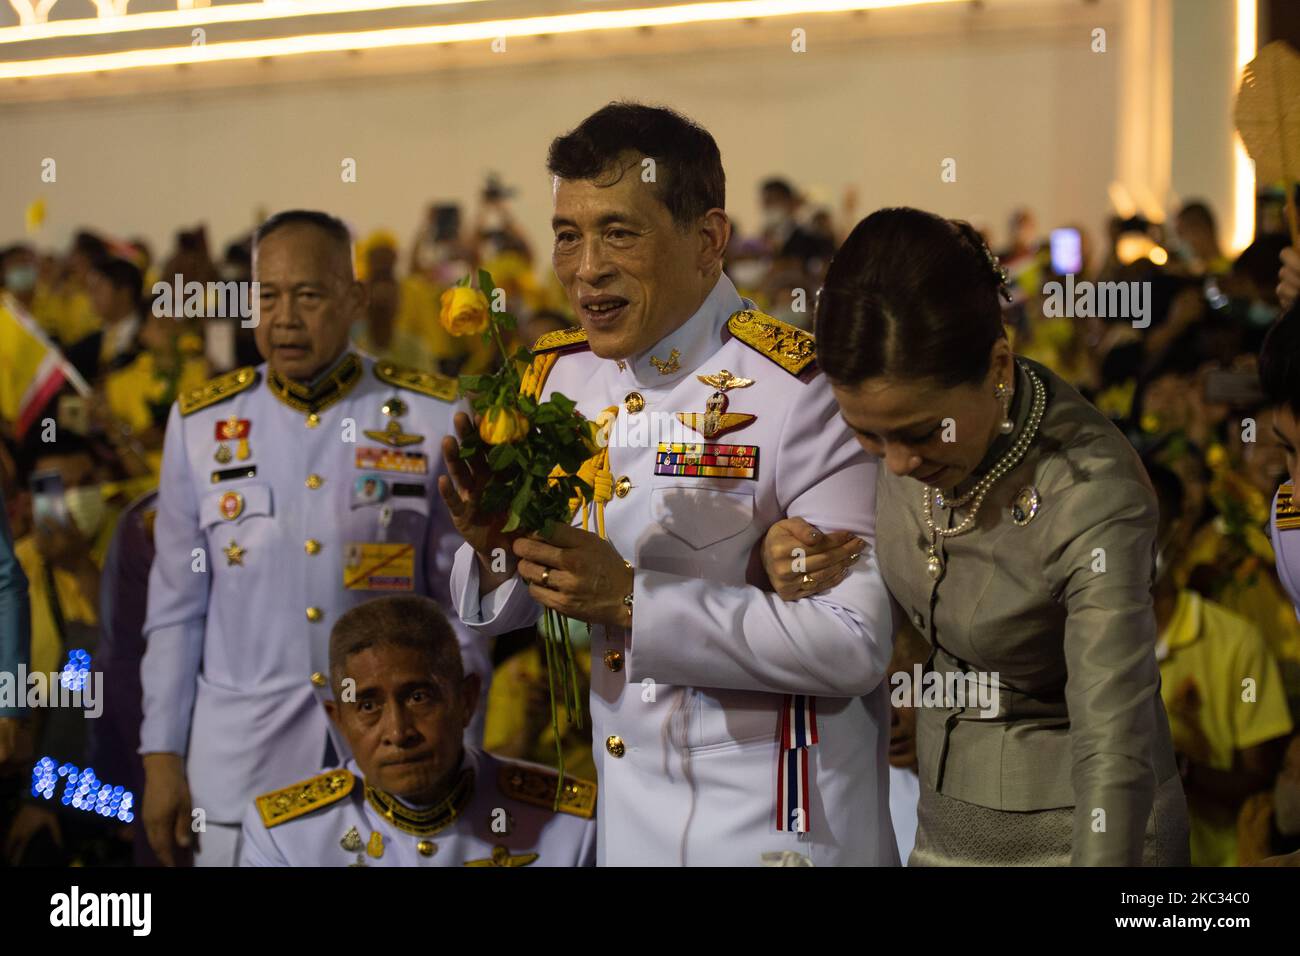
point(1182, 385)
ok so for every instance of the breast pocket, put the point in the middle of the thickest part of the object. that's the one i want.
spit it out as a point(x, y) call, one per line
point(236, 521)
point(702, 517)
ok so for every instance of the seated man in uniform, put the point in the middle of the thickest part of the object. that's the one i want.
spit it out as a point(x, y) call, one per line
point(413, 795)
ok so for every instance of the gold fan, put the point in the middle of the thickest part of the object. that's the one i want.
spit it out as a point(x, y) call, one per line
point(1268, 119)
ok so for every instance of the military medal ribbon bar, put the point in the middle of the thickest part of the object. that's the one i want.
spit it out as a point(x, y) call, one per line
point(707, 460)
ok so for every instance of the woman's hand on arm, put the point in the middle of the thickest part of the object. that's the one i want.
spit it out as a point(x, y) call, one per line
point(793, 549)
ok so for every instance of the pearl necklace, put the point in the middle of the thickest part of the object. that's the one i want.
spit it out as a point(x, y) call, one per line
point(933, 563)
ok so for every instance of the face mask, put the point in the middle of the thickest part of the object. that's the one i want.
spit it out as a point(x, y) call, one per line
point(774, 217)
point(748, 273)
point(1261, 314)
point(1286, 806)
point(20, 278)
point(86, 508)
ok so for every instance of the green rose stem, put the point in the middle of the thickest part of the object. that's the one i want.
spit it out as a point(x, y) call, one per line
point(561, 667)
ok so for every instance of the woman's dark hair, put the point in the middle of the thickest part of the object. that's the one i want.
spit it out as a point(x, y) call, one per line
point(1279, 362)
point(910, 295)
point(689, 178)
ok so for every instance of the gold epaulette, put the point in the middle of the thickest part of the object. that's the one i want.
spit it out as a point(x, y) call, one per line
point(280, 806)
point(537, 786)
point(560, 339)
point(217, 389)
point(789, 347)
point(1286, 516)
point(545, 352)
point(426, 383)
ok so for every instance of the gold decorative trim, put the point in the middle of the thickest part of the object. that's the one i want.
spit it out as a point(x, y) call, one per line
point(280, 806)
point(326, 392)
point(789, 347)
point(217, 389)
point(429, 821)
point(537, 786)
point(426, 383)
point(1286, 515)
point(560, 339)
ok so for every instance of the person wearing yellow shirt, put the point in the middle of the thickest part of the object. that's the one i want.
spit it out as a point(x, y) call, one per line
point(62, 563)
point(401, 323)
point(1222, 690)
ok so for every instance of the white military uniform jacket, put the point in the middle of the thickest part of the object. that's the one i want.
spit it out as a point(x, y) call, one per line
point(501, 815)
point(686, 706)
point(264, 537)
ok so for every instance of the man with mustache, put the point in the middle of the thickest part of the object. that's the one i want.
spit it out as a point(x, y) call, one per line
point(289, 493)
point(729, 728)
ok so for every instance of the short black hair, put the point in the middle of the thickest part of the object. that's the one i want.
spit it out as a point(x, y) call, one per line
point(694, 182)
point(332, 226)
point(1198, 211)
point(910, 295)
point(1279, 362)
point(776, 184)
point(120, 274)
point(89, 245)
point(401, 620)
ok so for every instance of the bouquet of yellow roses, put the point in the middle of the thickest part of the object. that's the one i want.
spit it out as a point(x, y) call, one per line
point(533, 451)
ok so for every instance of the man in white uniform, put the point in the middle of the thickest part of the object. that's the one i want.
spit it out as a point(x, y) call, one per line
point(730, 727)
point(289, 493)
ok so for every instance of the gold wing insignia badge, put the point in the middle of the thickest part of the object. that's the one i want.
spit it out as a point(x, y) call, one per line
point(501, 856)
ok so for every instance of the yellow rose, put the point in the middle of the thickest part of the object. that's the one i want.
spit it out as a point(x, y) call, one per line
point(464, 311)
point(501, 426)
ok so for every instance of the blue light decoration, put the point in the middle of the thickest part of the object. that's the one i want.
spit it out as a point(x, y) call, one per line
point(82, 790)
point(76, 671)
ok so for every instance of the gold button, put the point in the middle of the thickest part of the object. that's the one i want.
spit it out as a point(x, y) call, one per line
point(315, 481)
point(311, 546)
point(622, 486)
point(614, 745)
point(313, 420)
point(426, 847)
point(614, 660)
point(318, 679)
point(314, 614)
point(634, 402)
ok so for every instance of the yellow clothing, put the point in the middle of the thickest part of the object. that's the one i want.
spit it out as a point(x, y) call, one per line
point(417, 318)
point(134, 391)
point(515, 687)
point(66, 316)
point(47, 648)
point(1218, 651)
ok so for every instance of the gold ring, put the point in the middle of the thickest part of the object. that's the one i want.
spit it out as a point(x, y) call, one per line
point(544, 580)
point(806, 580)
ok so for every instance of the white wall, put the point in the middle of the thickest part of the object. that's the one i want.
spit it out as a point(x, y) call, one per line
point(1030, 119)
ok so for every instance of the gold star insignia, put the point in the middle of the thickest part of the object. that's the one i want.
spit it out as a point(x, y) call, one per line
point(234, 554)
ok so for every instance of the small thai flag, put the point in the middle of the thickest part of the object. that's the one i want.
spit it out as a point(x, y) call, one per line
point(796, 733)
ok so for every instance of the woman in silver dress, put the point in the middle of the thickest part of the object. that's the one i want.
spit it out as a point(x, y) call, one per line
point(1016, 531)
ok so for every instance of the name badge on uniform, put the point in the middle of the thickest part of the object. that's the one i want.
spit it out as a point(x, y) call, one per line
point(387, 459)
point(379, 567)
point(707, 460)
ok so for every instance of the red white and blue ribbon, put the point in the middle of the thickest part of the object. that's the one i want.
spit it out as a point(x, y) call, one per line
point(796, 733)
